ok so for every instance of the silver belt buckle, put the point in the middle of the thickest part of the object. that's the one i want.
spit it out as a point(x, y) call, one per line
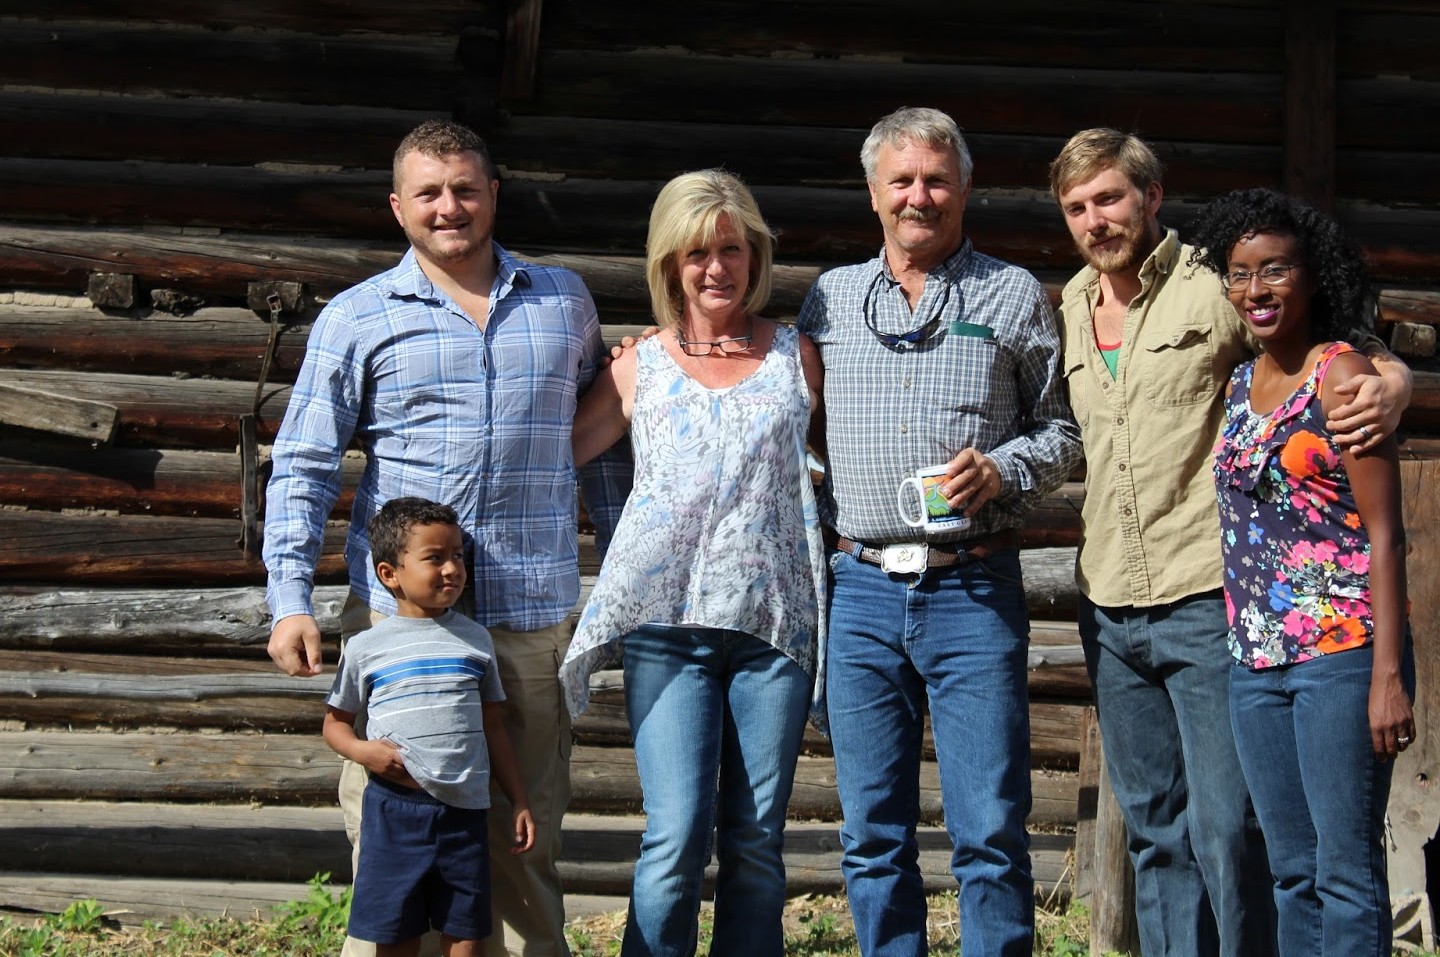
point(905, 559)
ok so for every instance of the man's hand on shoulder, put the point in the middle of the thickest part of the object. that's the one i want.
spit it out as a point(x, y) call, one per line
point(295, 645)
point(628, 342)
point(1374, 401)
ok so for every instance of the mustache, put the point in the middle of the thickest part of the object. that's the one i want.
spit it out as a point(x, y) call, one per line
point(925, 215)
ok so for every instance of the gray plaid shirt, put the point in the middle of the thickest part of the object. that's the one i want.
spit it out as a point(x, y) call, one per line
point(982, 371)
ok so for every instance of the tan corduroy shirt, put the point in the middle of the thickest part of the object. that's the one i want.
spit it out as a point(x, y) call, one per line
point(1151, 532)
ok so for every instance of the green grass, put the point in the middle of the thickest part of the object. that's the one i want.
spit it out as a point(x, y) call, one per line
point(815, 926)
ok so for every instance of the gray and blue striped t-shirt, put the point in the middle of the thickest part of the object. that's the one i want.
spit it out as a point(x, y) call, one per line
point(422, 682)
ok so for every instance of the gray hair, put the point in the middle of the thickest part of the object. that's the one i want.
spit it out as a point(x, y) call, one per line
point(918, 124)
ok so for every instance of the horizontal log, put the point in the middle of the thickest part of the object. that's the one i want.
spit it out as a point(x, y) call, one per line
point(409, 72)
point(225, 343)
point(56, 689)
point(240, 133)
point(60, 258)
point(205, 413)
point(221, 342)
point(135, 549)
point(820, 224)
point(133, 901)
point(152, 621)
point(154, 549)
point(1214, 107)
point(275, 844)
point(165, 411)
point(1147, 36)
point(316, 16)
point(54, 412)
point(232, 132)
point(47, 765)
point(55, 476)
point(51, 476)
point(200, 620)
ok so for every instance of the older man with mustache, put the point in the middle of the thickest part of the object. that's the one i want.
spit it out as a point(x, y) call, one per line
point(1149, 341)
point(938, 359)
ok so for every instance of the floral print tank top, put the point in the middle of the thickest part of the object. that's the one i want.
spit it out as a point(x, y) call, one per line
point(1297, 556)
point(721, 528)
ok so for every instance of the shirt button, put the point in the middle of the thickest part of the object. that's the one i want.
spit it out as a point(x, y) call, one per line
point(1122, 466)
point(904, 429)
point(906, 383)
point(1120, 420)
point(1125, 512)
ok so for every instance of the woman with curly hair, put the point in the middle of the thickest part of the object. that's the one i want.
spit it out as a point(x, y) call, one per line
point(1314, 551)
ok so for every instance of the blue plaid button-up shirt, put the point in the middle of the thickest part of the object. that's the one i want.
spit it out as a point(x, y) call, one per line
point(477, 419)
point(974, 365)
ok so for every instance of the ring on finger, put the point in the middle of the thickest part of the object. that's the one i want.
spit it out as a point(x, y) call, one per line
point(1365, 433)
point(1404, 740)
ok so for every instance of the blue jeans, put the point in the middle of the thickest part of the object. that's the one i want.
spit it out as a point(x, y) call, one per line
point(956, 638)
point(1161, 678)
point(1304, 736)
point(717, 718)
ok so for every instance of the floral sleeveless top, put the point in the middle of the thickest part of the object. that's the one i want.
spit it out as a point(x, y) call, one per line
point(1297, 557)
point(721, 528)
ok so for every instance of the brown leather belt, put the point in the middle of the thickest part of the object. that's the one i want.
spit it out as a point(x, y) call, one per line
point(942, 554)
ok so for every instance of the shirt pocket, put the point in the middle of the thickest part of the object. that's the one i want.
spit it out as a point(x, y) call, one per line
point(979, 370)
point(1180, 366)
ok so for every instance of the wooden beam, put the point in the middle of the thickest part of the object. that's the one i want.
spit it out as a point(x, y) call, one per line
point(522, 50)
point(1413, 814)
point(157, 845)
point(299, 768)
point(46, 689)
point(1310, 101)
point(48, 410)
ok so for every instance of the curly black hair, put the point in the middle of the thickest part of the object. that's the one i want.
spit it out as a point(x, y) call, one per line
point(1341, 305)
point(389, 529)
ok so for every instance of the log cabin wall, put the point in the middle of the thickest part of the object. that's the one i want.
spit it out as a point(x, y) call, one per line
point(166, 168)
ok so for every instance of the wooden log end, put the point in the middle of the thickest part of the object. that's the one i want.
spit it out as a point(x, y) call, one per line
point(110, 290)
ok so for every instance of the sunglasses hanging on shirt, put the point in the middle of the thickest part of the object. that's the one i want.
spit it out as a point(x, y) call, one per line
point(905, 340)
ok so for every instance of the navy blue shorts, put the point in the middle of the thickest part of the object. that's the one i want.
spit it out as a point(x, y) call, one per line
point(423, 865)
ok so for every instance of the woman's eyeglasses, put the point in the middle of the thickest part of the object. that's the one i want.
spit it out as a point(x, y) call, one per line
point(1275, 274)
point(727, 347)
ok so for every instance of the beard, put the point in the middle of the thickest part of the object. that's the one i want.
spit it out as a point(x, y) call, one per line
point(1133, 248)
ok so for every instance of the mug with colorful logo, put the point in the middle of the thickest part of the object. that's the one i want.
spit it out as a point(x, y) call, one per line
point(936, 515)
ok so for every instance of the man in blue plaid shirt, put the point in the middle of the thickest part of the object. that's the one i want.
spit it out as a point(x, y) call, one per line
point(935, 355)
point(456, 373)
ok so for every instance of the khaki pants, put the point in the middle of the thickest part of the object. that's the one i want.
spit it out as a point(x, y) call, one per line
point(529, 907)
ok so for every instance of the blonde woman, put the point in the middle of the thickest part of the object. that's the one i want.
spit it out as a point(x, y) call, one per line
point(713, 587)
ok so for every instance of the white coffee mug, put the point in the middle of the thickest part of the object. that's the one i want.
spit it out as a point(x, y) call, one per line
point(936, 515)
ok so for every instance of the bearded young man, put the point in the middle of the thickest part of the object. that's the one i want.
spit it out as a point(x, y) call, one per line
point(1149, 342)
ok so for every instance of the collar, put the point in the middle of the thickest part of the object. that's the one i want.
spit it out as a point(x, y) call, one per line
point(407, 279)
point(948, 271)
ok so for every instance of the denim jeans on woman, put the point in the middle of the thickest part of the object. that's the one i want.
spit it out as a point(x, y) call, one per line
point(1161, 678)
point(956, 638)
point(717, 718)
point(1303, 731)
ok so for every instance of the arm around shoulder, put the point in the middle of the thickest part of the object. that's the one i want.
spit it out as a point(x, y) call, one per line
point(1372, 400)
point(603, 412)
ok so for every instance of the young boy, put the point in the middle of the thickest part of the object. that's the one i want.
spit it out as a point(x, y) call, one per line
point(427, 680)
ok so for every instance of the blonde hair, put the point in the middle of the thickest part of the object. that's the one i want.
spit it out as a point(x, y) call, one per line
point(684, 215)
point(1091, 152)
